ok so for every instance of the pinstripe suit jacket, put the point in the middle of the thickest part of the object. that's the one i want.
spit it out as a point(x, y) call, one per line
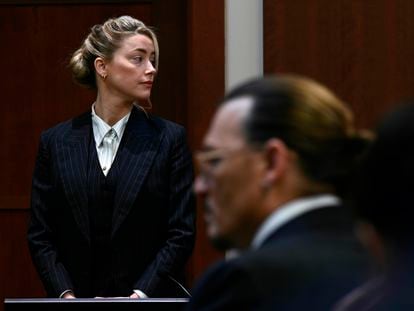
point(153, 225)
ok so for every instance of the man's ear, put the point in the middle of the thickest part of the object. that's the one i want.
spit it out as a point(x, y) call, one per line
point(100, 67)
point(277, 157)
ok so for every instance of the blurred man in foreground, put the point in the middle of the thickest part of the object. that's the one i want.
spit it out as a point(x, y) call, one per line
point(274, 164)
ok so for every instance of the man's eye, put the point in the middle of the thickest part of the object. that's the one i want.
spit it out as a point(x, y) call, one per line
point(214, 161)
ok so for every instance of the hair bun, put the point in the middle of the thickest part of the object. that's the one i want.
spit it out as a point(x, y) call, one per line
point(340, 158)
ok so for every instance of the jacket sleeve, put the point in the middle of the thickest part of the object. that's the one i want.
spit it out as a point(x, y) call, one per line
point(225, 286)
point(53, 274)
point(179, 244)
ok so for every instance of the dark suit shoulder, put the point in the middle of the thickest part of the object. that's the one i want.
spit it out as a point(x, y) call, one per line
point(61, 129)
point(326, 222)
point(307, 264)
point(167, 125)
point(226, 285)
point(172, 133)
point(58, 129)
point(299, 275)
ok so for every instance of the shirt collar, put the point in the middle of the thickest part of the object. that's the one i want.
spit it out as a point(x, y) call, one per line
point(100, 127)
point(289, 211)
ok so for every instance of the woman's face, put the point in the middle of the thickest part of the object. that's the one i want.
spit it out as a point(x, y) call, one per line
point(131, 71)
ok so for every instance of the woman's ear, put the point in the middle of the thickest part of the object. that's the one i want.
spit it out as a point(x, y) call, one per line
point(100, 67)
point(276, 161)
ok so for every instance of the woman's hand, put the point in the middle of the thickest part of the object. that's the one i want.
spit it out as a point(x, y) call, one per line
point(69, 295)
point(134, 296)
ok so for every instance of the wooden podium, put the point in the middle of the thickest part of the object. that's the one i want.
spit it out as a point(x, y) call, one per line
point(92, 304)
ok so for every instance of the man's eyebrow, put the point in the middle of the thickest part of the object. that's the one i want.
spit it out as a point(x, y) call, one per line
point(206, 148)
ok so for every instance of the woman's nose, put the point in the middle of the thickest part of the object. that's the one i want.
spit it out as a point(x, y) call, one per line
point(151, 68)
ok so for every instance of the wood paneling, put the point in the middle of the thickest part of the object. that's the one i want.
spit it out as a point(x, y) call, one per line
point(18, 276)
point(205, 88)
point(74, 2)
point(206, 64)
point(363, 50)
point(169, 97)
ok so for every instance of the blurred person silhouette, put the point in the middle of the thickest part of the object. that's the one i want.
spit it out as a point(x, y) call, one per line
point(384, 204)
point(273, 167)
point(112, 208)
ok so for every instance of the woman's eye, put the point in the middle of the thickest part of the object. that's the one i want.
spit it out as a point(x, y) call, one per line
point(137, 59)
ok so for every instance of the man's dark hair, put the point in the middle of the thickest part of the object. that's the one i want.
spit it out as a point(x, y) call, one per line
point(309, 119)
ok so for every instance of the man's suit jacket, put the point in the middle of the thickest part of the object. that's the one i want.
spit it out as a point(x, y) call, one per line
point(153, 224)
point(391, 291)
point(307, 264)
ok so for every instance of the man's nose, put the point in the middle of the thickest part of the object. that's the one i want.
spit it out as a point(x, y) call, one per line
point(200, 185)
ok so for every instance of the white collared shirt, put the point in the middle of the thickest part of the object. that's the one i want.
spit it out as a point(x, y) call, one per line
point(100, 128)
point(289, 211)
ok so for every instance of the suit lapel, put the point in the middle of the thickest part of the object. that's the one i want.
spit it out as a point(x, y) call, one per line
point(327, 220)
point(139, 147)
point(73, 161)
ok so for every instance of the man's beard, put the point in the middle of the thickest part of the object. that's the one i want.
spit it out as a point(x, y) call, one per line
point(221, 243)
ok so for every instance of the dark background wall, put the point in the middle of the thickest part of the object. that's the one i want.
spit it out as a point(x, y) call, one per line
point(363, 50)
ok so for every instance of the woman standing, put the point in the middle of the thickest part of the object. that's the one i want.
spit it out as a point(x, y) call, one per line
point(112, 211)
